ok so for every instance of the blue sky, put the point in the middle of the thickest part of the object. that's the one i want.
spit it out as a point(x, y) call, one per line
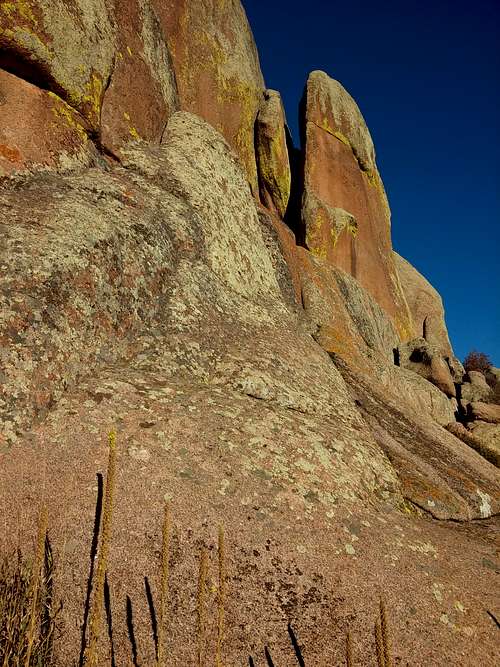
point(426, 76)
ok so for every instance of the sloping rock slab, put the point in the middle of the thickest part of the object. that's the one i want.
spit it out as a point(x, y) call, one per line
point(438, 472)
point(224, 458)
point(486, 412)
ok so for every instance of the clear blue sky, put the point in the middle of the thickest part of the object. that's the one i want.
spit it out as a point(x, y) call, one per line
point(426, 76)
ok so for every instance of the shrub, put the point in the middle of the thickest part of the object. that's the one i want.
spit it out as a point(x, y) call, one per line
point(477, 361)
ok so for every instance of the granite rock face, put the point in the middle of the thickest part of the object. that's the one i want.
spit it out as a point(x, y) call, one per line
point(123, 68)
point(217, 69)
point(66, 47)
point(486, 412)
point(52, 133)
point(485, 439)
point(422, 358)
point(151, 297)
point(427, 313)
point(346, 215)
point(272, 154)
point(253, 384)
point(142, 90)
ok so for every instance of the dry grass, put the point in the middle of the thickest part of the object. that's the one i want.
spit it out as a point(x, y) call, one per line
point(386, 640)
point(201, 605)
point(27, 611)
point(95, 622)
point(348, 650)
point(379, 645)
point(220, 600)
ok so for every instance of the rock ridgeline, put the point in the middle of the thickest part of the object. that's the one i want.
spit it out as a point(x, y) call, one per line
point(171, 265)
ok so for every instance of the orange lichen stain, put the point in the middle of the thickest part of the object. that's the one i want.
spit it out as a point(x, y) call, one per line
point(9, 153)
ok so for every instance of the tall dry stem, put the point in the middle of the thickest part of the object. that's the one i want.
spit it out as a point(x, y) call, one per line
point(35, 585)
point(220, 599)
point(91, 652)
point(165, 552)
point(201, 604)
point(386, 640)
point(379, 645)
point(348, 650)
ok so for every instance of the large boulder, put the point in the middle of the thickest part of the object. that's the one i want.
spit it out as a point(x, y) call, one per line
point(272, 154)
point(488, 434)
point(422, 358)
point(487, 412)
point(475, 388)
point(486, 441)
point(66, 47)
point(51, 134)
point(346, 216)
point(217, 69)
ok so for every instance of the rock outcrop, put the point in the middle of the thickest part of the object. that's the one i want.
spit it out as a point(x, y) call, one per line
point(217, 69)
point(142, 91)
point(253, 384)
point(426, 307)
point(486, 441)
point(52, 133)
point(126, 68)
point(272, 154)
point(422, 358)
point(346, 215)
point(486, 412)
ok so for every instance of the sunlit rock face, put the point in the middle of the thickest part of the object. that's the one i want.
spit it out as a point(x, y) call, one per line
point(346, 215)
point(150, 285)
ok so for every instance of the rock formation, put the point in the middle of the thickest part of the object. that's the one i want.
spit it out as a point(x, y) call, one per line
point(346, 214)
point(272, 154)
point(295, 394)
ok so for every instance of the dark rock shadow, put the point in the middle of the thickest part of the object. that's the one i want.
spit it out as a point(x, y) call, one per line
point(93, 554)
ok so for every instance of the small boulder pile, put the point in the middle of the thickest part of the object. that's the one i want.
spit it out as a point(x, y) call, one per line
point(479, 404)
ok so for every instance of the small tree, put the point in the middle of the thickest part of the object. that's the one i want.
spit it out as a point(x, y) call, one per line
point(477, 361)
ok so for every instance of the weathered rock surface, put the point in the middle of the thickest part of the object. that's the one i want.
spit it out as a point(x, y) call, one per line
point(436, 470)
point(485, 441)
point(475, 387)
point(493, 376)
point(272, 154)
point(217, 69)
point(52, 134)
point(422, 358)
point(66, 47)
point(154, 295)
point(345, 210)
point(426, 307)
point(111, 63)
point(489, 435)
point(487, 412)
point(142, 92)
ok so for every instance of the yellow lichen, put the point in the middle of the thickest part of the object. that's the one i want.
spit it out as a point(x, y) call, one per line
point(133, 133)
point(22, 7)
point(63, 111)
